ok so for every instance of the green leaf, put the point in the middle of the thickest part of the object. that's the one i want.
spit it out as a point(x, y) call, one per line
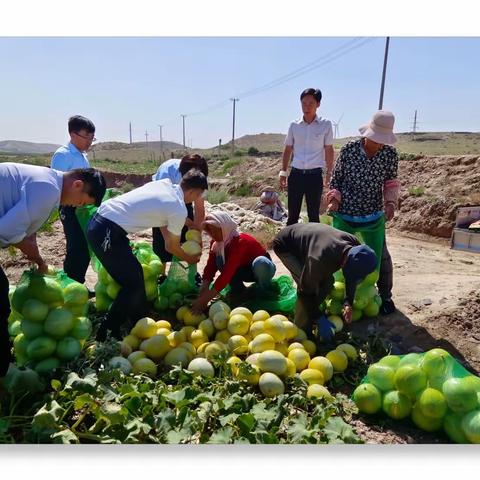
point(222, 436)
point(175, 397)
point(246, 422)
point(231, 418)
point(337, 431)
point(56, 384)
point(87, 384)
point(83, 400)
point(113, 412)
point(48, 416)
point(174, 436)
point(65, 436)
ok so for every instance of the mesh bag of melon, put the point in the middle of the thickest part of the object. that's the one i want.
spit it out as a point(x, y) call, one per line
point(106, 288)
point(432, 389)
point(180, 279)
point(53, 326)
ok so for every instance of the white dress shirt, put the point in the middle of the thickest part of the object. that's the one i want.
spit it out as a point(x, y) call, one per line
point(309, 141)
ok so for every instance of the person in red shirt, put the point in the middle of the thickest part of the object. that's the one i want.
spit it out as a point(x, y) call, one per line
point(238, 256)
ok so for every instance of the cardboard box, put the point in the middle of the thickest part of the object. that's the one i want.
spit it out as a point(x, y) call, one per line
point(462, 238)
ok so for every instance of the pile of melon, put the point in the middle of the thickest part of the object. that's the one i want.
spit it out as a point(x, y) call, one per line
point(49, 320)
point(260, 349)
point(431, 389)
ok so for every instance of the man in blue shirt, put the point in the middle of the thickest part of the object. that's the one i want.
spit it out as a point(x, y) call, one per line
point(66, 158)
point(28, 195)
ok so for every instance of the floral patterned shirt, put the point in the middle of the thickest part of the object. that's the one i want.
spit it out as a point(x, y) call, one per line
point(360, 179)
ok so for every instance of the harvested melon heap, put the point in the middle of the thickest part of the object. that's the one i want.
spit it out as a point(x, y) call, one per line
point(259, 349)
point(49, 320)
point(431, 388)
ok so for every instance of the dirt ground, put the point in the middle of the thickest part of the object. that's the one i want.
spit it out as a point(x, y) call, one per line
point(436, 291)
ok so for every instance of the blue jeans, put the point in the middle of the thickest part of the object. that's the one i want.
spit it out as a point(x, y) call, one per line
point(260, 271)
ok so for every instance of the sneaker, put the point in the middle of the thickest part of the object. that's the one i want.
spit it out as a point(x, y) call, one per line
point(198, 280)
point(387, 307)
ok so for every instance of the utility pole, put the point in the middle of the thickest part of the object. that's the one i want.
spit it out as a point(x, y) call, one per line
point(219, 146)
point(161, 143)
point(234, 100)
point(183, 118)
point(380, 103)
point(130, 129)
point(414, 125)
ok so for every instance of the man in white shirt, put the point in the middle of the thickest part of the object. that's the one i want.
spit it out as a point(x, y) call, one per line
point(66, 158)
point(310, 141)
point(28, 195)
point(155, 204)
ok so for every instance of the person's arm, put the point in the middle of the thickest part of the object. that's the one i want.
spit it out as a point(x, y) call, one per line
point(29, 247)
point(172, 245)
point(287, 156)
point(198, 215)
point(391, 187)
point(329, 155)
point(334, 195)
point(206, 294)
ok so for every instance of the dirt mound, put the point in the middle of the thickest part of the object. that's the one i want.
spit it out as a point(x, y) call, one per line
point(433, 188)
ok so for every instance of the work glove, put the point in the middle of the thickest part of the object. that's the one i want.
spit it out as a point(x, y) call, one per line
point(325, 328)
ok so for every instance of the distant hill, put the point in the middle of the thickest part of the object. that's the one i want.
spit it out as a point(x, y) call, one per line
point(16, 147)
point(429, 143)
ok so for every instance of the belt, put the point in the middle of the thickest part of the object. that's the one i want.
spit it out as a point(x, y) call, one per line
point(308, 171)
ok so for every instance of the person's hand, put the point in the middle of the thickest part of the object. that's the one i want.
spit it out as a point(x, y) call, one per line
point(333, 206)
point(347, 313)
point(325, 328)
point(42, 267)
point(192, 259)
point(198, 306)
point(283, 183)
point(389, 211)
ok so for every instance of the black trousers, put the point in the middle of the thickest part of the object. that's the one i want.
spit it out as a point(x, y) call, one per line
point(158, 242)
point(111, 246)
point(5, 344)
point(77, 257)
point(309, 185)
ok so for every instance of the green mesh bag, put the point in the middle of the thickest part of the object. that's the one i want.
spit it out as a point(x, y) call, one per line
point(281, 296)
point(178, 286)
point(52, 310)
point(106, 288)
point(432, 389)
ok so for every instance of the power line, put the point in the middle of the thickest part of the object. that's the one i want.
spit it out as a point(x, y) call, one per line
point(309, 67)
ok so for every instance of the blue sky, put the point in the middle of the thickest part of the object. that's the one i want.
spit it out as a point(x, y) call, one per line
point(151, 81)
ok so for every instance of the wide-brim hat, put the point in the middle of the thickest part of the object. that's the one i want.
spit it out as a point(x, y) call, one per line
point(380, 128)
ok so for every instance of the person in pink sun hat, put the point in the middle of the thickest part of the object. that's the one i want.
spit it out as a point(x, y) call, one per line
point(364, 192)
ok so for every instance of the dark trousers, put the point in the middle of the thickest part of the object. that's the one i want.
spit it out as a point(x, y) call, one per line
point(310, 185)
point(385, 280)
point(5, 344)
point(158, 242)
point(111, 246)
point(77, 257)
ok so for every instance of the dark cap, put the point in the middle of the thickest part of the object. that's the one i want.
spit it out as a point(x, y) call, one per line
point(361, 260)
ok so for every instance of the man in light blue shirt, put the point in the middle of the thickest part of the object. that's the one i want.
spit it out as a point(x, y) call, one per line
point(28, 195)
point(66, 158)
point(169, 169)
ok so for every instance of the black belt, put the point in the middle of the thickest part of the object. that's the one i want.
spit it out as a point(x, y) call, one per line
point(308, 171)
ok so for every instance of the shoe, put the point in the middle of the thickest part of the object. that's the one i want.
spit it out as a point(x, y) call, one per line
point(161, 279)
point(387, 307)
point(198, 280)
